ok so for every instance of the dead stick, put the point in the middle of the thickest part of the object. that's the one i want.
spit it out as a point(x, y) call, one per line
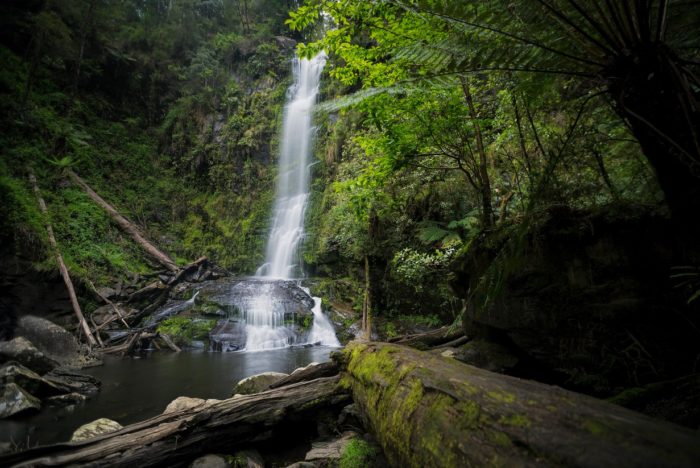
point(125, 224)
point(104, 298)
point(61, 265)
point(170, 343)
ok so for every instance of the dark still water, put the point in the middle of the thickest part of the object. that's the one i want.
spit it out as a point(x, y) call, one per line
point(135, 389)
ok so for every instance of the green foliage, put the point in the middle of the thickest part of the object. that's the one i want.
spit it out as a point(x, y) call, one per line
point(358, 454)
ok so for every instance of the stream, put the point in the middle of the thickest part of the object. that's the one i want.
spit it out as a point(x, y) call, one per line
point(134, 389)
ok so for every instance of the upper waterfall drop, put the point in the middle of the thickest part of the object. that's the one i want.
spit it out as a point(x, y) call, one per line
point(292, 194)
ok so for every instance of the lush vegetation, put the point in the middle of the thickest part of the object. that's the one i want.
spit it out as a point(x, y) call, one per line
point(169, 110)
point(447, 127)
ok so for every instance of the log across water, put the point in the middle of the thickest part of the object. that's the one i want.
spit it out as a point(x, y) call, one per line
point(175, 439)
point(429, 411)
point(425, 410)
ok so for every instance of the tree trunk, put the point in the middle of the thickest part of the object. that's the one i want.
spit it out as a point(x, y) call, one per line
point(367, 304)
point(175, 439)
point(126, 225)
point(652, 94)
point(61, 265)
point(483, 175)
point(427, 410)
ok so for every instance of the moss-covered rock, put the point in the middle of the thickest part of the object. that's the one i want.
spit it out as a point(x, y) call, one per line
point(184, 330)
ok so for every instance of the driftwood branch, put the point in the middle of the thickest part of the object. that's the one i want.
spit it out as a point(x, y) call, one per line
point(428, 410)
point(61, 264)
point(125, 224)
point(175, 439)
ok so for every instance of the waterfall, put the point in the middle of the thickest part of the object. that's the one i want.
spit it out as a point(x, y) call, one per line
point(292, 194)
point(265, 324)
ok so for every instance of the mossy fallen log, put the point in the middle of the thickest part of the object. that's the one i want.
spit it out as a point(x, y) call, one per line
point(177, 438)
point(427, 410)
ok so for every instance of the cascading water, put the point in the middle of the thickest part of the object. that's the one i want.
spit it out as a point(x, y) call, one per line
point(265, 322)
point(293, 182)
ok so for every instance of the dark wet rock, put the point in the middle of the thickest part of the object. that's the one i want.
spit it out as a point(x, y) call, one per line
point(15, 399)
point(228, 335)
point(350, 417)
point(69, 381)
point(250, 459)
point(109, 293)
point(28, 380)
point(54, 341)
point(21, 350)
point(485, 354)
point(330, 450)
point(210, 461)
point(285, 42)
point(94, 429)
point(67, 399)
point(586, 295)
point(257, 383)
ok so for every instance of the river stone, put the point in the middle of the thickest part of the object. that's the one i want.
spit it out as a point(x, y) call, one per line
point(28, 380)
point(24, 352)
point(330, 450)
point(210, 461)
point(15, 399)
point(257, 383)
point(302, 464)
point(184, 403)
point(95, 428)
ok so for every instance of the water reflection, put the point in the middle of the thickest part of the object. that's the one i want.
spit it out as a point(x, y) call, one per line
point(134, 389)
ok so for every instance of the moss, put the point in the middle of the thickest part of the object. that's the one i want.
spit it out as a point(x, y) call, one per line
point(358, 454)
point(595, 427)
point(184, 329)
point(501, 397)
point(500, 439)
point(414, 396)
point(515, 420)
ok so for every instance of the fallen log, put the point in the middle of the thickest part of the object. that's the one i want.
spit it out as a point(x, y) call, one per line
point(428, 339)
point(175, 439)
point(325, 369)
point(61, 264)
point(428, 410)
point(125, 224)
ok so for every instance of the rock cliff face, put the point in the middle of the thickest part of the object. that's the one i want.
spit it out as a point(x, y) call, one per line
point(586, 296)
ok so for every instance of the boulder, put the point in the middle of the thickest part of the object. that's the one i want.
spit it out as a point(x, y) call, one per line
point(210, 461)
point(15, 400)
point(52, 340)
point(183, 403)
point(586, 295)
point(331, 450)
point(28, 380)
point(257, 383)
point(488, 355)
point(302, 464)
point(21, 350)
point(95, 428)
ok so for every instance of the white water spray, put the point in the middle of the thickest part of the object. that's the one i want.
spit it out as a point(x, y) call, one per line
point(264, 325)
